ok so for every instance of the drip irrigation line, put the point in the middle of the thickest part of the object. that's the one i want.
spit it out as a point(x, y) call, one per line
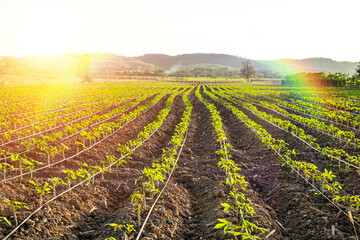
point(280, 105)
point(345, 111)
point(84, 109)
point(94, 124)
point(55, 163)
point(305, 124)
point(317, 150)
point(303, 112)
point(41, 114)
point(279, 154)
point(162, 190)
point(315, 188)
point(313, 116)
point(78, 184)
point(73, 187)
point(323, 106)
point(60, 110)
point(36, 113)
point(50, 129)
point(47, 130)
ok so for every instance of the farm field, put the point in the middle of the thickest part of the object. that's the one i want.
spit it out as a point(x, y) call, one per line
point(178, 161)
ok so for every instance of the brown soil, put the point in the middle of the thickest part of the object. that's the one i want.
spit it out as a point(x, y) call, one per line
point(302, 214)
point(190, 205)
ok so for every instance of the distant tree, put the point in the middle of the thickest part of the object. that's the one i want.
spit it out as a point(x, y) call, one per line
point(83, 68)
point(247, 70)
point(357, 71)
point(354, 80)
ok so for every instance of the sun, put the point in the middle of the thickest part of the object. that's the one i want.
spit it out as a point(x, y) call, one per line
point(45, 32)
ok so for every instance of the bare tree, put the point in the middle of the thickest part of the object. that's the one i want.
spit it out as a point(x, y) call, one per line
point(247, 70)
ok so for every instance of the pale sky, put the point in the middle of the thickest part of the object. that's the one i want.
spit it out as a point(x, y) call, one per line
point(256, 29)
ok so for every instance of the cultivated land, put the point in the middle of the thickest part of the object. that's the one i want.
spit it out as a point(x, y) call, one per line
point(252, 161)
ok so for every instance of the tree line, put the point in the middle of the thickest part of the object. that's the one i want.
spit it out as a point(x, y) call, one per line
point(323, 80)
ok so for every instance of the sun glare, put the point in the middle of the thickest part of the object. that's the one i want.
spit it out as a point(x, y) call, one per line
point(45, 33)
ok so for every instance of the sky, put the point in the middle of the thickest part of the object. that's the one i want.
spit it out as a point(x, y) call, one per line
point(255, 29)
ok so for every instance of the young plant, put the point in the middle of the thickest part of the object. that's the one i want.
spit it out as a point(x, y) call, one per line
point(42, 190)
point(109, 160)
point(14, 207)
point(125, 229)
point(4, 168)
point(70, 175)
point(83, 173)
point(6, 220)
point(15, 157)
point(79, 144)
point(95, 169)
point(46, 149)
point(63, 147)
point(27, 145)
point(52, 151)
point(136, 199)
point(102, 170)
point(126, 150)
point(56, 181)
point(31, 164)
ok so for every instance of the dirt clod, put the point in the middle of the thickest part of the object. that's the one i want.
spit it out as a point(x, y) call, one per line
point(103, 204)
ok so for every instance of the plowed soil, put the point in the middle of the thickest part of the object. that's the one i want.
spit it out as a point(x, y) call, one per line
point(190, 205)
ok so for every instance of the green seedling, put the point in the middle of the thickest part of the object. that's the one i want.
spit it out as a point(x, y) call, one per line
point(6, 220)
point(136, 199)
point(70, 175)
point(56, 181)
point(14, 207)
point(64, 147)
point(4, 167)
point(43, 190)
point(79, 144)
point(125, 229)
point(31, 164)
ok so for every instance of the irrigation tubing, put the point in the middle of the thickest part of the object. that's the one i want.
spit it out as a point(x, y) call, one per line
point(94, 124)
point(50, 129)
point(78, 184)
point(162, 190)
point(55, 163)
point(74, 112)
point(317, 150)
point(305, 124)
point(333, 203)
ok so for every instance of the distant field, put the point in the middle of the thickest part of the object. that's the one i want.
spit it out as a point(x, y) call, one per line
point(268, 161)
point(17, 79)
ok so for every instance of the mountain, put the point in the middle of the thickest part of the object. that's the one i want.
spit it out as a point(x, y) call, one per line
point(282, 66)
point(325, 65)
point(197, 64)
point(109, 63)
point(67, 64)
point(189, 60)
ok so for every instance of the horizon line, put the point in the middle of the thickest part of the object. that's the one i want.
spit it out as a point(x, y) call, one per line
point(170, 55)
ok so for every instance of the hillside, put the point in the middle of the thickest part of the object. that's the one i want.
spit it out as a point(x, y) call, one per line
point(282, 66)
point(67, 64)
point(199, 64)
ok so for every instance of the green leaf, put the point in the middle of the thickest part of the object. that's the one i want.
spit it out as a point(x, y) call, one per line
point(220, 225)
point(222, 220)
point(225, 205)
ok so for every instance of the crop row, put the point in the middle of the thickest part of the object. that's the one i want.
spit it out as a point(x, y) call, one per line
point(239, 204)
point(325, 179)
point(87, 173)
